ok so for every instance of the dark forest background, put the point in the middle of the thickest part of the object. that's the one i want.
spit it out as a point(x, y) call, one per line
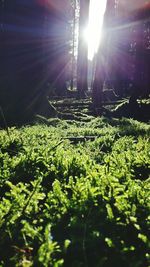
point(34, 54)
point(37, 46)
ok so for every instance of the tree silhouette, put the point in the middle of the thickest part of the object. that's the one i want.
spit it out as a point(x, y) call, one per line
point(82, 62)
point(103, 69)
point(124, 54)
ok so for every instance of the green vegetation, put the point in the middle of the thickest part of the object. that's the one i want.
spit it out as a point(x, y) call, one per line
point(75, 194)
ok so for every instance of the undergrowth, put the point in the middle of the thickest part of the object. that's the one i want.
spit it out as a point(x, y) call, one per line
point(69, 200)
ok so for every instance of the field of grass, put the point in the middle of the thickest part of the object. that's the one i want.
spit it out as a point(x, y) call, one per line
point(75, 194)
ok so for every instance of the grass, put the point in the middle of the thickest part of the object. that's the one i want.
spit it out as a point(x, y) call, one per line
point(70, 201)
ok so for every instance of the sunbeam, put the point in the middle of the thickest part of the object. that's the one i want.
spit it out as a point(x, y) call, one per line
point(93, 30)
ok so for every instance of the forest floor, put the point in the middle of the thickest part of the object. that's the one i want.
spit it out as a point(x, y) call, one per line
point(75, 192)
point(83, 109)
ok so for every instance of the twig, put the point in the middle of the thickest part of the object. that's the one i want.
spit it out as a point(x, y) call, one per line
point(76, 139)
point(84, 238)
point(5, 123)
point(30, 197)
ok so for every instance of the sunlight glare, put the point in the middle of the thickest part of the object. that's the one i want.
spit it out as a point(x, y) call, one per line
point(92, 33)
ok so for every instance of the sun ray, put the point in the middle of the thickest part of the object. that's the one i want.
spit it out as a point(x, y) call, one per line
point(92, 33)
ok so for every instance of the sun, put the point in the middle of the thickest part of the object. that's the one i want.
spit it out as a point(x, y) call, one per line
point(92, 33)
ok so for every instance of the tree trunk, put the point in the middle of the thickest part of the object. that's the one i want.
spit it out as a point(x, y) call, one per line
point(82, 62)
point(106, 69)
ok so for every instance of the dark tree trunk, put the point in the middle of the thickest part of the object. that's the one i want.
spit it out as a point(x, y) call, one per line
point(123, 54)
point(104, 69)
point(82, 62)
